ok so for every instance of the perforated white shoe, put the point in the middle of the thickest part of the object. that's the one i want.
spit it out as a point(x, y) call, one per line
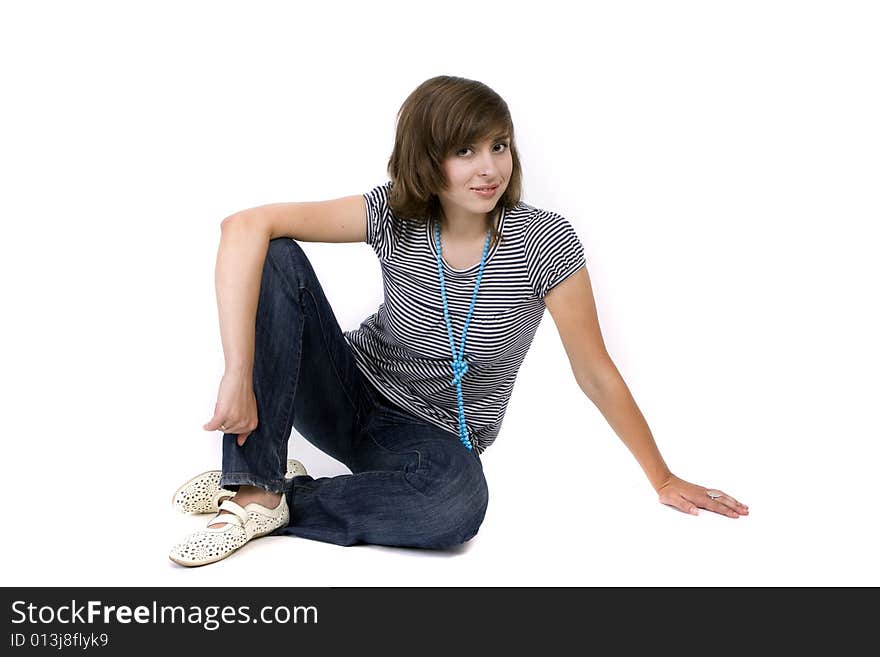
point(202, 493)
point(240, 525)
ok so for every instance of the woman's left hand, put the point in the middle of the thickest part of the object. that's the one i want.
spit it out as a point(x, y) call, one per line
point(687, 497)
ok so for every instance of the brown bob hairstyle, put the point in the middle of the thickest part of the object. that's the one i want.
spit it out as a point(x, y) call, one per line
point(442, 115)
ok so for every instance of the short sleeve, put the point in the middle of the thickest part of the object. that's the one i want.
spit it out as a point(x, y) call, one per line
point(553, 251)
point(380, 221)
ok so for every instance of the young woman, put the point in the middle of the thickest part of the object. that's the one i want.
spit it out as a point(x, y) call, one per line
point(410, 399)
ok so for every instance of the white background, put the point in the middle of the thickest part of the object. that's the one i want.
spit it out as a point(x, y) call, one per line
point(718, 160)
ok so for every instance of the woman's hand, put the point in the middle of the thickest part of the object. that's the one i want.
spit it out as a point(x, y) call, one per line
point(688, 497)
point(236, 407)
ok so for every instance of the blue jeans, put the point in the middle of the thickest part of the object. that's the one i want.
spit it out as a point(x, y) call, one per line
point(412, 483)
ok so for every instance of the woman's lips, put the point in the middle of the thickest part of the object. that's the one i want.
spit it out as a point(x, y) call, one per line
point(485, 193)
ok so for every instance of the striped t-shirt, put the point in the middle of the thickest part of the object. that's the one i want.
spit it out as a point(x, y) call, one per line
point(404, 349)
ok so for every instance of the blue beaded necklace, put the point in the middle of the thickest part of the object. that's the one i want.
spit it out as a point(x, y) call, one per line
point(459, 365)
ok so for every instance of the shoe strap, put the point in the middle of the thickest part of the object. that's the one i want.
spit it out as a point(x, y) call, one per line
point(238, 513)
point(222, 493)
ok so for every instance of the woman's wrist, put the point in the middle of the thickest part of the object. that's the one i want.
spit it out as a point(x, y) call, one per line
point(659, 482)
point(238, 370)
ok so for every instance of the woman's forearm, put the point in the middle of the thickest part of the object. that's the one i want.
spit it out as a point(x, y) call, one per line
point(244, 242)
point(612, 397)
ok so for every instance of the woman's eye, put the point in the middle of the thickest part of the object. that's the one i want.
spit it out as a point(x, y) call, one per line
point(467, 148)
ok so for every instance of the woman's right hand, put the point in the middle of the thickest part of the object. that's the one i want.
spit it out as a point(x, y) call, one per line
point(236, 407)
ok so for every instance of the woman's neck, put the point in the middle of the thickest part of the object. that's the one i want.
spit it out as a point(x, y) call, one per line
point(462, 230)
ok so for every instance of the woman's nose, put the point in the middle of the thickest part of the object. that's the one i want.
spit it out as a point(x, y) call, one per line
point(486, 164)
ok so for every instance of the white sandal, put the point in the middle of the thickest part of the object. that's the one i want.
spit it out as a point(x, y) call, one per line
point(202, 493)
point(240, 525)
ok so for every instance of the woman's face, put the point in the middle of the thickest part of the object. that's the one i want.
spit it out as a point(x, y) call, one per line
point(476, 165)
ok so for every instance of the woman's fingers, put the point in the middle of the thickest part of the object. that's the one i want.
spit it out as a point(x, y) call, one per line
point(723, 504)
point(736, 505)
point(216, 424)
point(240, 432)
point(222, 423)
point(679, 502)
point(718, 506)
point(241, 429)
point(688, 497)
point(728, 501)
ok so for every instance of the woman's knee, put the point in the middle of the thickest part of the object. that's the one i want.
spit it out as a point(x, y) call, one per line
point(286, 260)
point(285, 251)
point(457, 508)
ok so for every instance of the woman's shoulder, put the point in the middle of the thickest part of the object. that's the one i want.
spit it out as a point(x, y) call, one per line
point(533, 218)
point(381, 190)
point(548, 231)
point(536, 213)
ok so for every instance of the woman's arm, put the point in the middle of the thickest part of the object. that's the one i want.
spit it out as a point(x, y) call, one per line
point(573, 309)
point(608, 391)
point(241, 257)
point(244, 243)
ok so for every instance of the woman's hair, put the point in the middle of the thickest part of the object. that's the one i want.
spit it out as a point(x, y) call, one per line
point(442, 115)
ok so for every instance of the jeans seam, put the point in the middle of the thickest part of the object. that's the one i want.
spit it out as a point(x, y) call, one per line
point(280, 458)
point(288, 421)
point(329, 351)
point(392, 451)
point(252, 481)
